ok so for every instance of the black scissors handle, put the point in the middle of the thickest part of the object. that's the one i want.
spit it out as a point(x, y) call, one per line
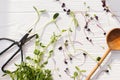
point(8, 48)
point(14, 43)
point(9, 60)
point(7, 39)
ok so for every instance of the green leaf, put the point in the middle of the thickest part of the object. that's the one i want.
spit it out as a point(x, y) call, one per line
point(83, 70)
point(4, 74)
point(42, 11)
point(64, 30)
point(51, 51)
point(36, 10)
point(37, 42)
point(43, 46)
point(77, 68)
point(36, 52)
point(55, 16)
point(46, 62)
point(98, 58)
point(76, 22)
point(28, 58)
point(70, 30)
point(75, 74)
point(37, 36)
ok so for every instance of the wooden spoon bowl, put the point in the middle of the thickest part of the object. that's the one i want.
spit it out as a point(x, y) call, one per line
point(113, 39)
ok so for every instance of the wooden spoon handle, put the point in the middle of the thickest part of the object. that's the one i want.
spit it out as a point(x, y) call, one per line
point(98, 64)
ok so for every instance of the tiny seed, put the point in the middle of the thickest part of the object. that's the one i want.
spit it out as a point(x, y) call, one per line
point(90, 40)
point(91, 18)
point(84, 54)
point(85, 26)
point(104, 9)
point(64, 10)
point(60, 48)
point(66, 44)
point(65, 62)
point(104, 3)
point(59, 75)
point(68, 11)
point(66, 41)
point(96, 17)
point(107, 71)
point(70, 58)
point(87, 38)
point(63, 5)
point(104, 33)
point(67, 69)
point(88, 29)
point(107, 10)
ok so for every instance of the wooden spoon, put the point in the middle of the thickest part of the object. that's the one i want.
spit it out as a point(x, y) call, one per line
point(113, 41)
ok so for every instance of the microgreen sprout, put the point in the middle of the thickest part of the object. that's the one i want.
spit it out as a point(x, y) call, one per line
point(39, 13)
point(71, 13)
point(78, 73)
point(54, 19)
point(74, 19)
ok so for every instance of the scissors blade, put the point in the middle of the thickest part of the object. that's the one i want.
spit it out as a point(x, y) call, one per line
point(29, 38)
point(24, 38)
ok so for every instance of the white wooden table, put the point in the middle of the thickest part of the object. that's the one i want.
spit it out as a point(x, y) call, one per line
point(16, 16)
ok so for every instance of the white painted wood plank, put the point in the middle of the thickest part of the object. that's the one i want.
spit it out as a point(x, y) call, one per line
point(26, 6)
point(16, 16)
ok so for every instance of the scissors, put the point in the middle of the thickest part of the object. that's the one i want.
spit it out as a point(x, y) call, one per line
point(20, 44)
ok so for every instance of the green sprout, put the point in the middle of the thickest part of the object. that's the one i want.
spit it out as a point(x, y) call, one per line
point(78, 73)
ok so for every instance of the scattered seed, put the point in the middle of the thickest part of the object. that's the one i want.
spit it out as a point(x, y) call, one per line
point(66, 43)
point(87, 38)
point(107, 71)
point(70, 58)
point(59, 75)
point(88, 29)
point(60, 48)
point(91, 18)
point(90, 40)
point(65, 62)
point(104, 33)
point(67, 69)
point(103, 3)
point(68, 11)
point(64, 10)
point(63, 5)
point(84, 54)
point(96, 17)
